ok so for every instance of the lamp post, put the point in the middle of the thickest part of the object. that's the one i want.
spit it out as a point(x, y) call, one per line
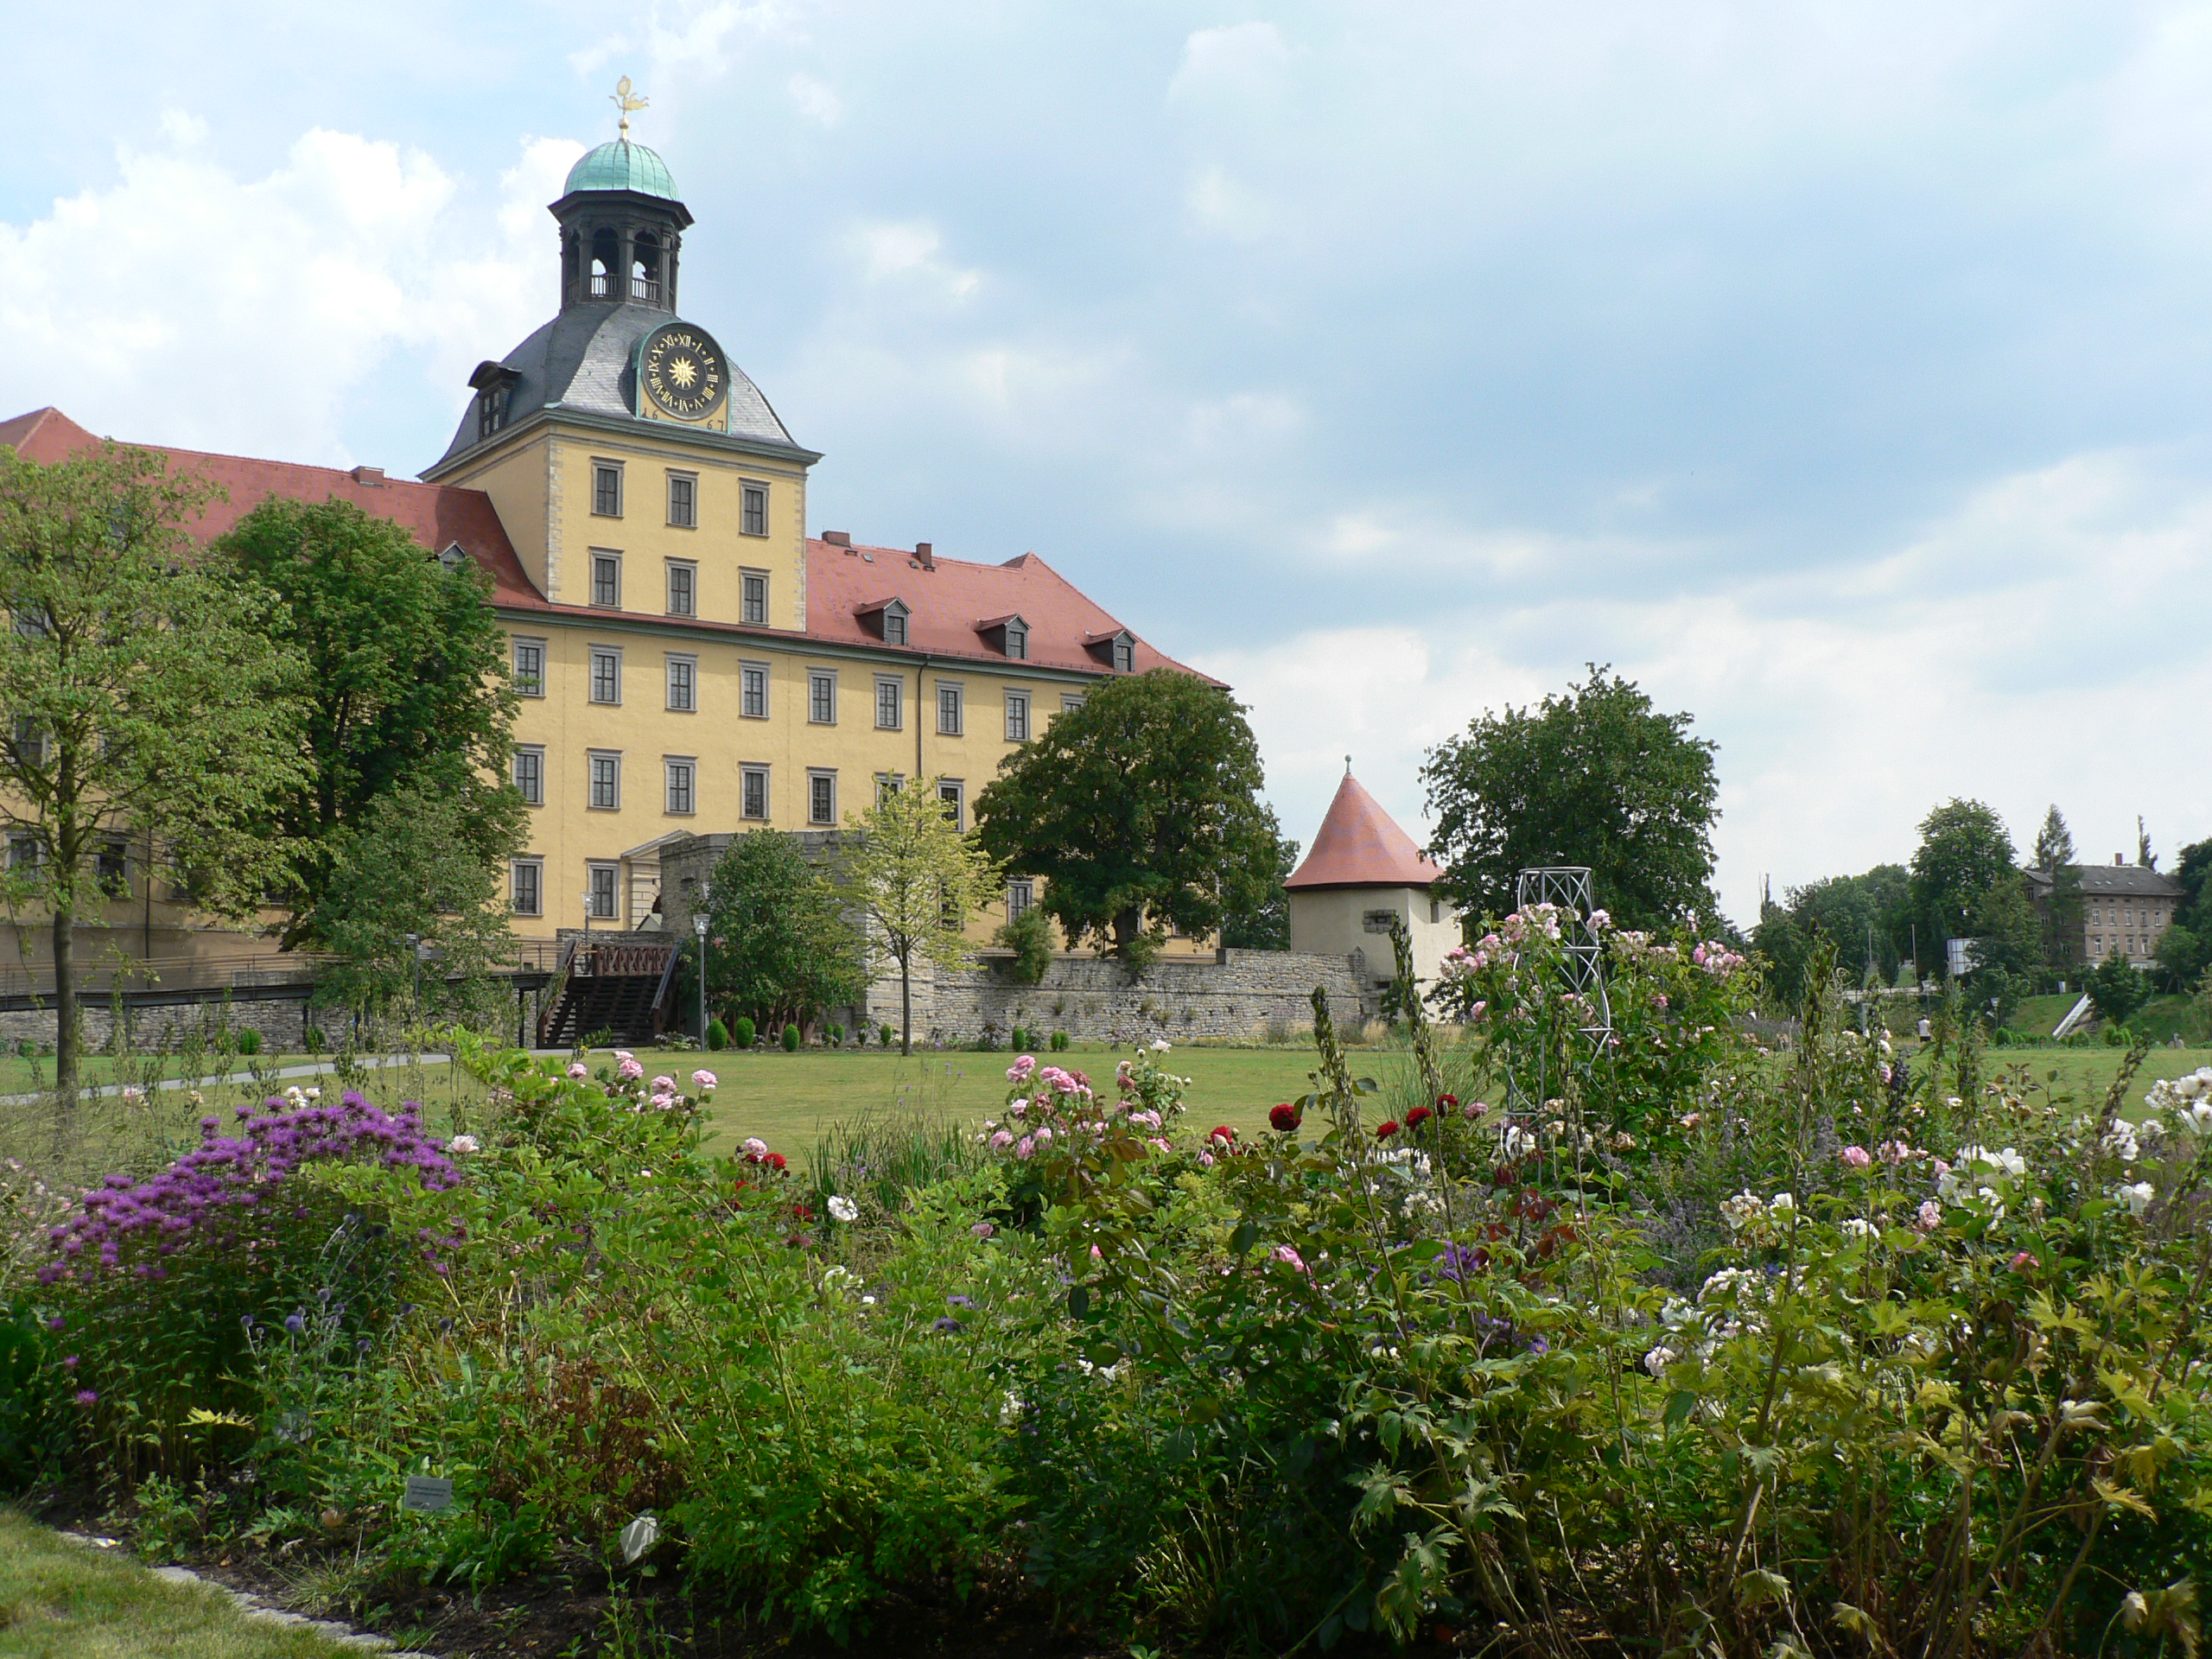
point(700, 921)
point(414, 955)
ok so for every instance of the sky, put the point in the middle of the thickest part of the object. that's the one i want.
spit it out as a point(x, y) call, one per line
point(1841, 373)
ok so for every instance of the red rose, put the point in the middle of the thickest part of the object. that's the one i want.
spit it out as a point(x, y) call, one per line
point(1417, 1116)
point(1447, 1103)
point(1224, 1134)
point(774, 1160)
point(1283, 1119)
point(1386, 1129)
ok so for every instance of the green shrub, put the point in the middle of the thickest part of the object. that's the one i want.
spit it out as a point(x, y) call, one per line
point(886, 1036)
point(836, 1035)
point(741, 1034)
point(717, 1035)
point(791, 1038)
point(314, 1040)
point(1060, 1042)
point(1018, 1038)
point(248, 1040)
point(1029, 936)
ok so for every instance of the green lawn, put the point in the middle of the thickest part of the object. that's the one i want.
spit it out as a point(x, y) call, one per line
point(60, 1600)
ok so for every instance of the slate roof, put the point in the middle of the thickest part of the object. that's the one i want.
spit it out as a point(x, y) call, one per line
point(2116, 882)
point(621, 165)
point(1360, 845)
point(584, 360)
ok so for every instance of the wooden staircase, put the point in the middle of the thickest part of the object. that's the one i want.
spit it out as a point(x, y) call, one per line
point(621, 986)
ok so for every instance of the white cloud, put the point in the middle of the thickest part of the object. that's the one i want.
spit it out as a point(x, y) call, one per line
point(1217, 202)
point(815, 99)
point(908, 251)
point(2019, 649)
point(185, 305)
point(1241, 61)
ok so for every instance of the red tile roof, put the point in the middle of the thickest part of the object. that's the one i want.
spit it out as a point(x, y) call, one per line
point(1360, 845)
point(438, 515)
point(951, 600)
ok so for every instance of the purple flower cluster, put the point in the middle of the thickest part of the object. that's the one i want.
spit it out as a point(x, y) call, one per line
point(225, 1179)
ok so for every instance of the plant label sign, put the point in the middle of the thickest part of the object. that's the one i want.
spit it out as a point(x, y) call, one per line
point(426, 1492)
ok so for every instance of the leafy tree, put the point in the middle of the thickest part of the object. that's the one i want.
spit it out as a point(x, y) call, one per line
point(144, 698)
point(1595, 776)
point(780, 948)
point(1786, 947)
point(2184, 956)
point(2115, 990)
point(916, 879)
point(2144, 857)
point(1141, 811)
point(1965, 854)
point(1264, 926)
point(413, 914)
point(2193, 869)
point(408, 688)
point(2061, 912)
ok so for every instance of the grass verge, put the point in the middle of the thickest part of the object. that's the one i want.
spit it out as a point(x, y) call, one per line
point(60, 1600)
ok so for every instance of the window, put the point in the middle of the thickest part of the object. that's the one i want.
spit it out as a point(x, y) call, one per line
point(607, 489)
point(683, 500)
point(753, 684)
point(1020, 895)
point(530, 667)
point(605, 674)
point(23, 853)
point(599, 892)
point(526, 886)
point(1435, 911)
point(753, 792)
point(681, 773)
point(530, 774)
point(822, 698)
point(1125, 655)
point(894, 625)
point(949, 790)
point(684, 684)
point(607, 579)
point(607, 780)
point(889, 691)
point(888, 784)
point(30, 741)
point(682, 588)
point(1017, 717)
point(754, 597)
point(110, 868)
point(821, 797)
point(1072, 700)
point(754, 521)
point(1017, 642)
point(948, 709)
point(1377, 921)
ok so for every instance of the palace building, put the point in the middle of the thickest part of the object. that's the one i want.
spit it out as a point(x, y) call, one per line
point(690, 658)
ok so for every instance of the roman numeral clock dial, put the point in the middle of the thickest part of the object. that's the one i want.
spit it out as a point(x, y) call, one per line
point(682, 371)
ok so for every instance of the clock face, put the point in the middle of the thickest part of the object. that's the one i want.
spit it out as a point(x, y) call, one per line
point(682, 371)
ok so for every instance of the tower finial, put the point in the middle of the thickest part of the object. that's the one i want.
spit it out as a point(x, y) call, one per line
point(622, 100)
point(1347, 765)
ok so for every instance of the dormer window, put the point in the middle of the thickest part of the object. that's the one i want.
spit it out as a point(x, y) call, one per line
point(887, 619)
point(1117, 649)
point(494, 384)
point(1009, 634)
point(454, 556)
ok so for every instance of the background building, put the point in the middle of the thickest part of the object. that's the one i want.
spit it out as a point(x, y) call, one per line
point(1360, 871)
point(2123, 909)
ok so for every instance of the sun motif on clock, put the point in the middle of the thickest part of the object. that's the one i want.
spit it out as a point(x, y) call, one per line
point(682, 371)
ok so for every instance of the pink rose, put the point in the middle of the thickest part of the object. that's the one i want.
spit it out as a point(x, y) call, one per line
point(1856, 1158)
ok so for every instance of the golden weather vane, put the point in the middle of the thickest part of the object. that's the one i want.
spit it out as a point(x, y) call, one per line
point(623, 101)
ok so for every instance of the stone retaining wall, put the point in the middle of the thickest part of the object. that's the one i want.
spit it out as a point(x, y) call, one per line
point(282, 1022)
point(1245, 996)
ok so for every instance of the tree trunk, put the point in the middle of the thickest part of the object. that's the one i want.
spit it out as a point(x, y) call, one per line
point(1126, 928)
point(906, 1006)
point(65, 1005)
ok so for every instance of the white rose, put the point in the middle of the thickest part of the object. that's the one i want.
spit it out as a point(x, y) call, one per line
point(843, 1209)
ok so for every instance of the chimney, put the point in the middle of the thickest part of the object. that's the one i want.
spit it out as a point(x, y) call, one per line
point(372, 476)
point(2119, 858)
point(922, 553)
point(838, 537)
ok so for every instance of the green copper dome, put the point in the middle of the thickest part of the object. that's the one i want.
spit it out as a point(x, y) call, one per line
point(621, 165)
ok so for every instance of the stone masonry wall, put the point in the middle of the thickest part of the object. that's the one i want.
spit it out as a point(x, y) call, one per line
point(1241, 997)
point(281, 1021)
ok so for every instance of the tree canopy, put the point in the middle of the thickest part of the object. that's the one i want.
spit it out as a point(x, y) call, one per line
point(1965, 855)
point(146, 700)
point(407, 691)
point(1140, 811)
point(1866, 918)
point(917, 880)
point(779, 946)
point(1595, 776)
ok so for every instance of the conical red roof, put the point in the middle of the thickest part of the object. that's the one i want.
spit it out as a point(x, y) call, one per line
point(1360, 845)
